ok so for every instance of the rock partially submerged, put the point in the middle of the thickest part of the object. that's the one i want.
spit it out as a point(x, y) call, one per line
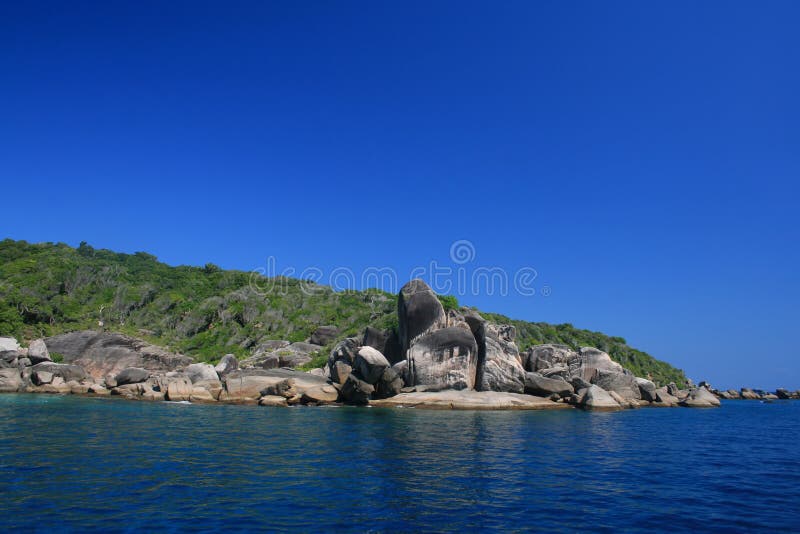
point(469, 400)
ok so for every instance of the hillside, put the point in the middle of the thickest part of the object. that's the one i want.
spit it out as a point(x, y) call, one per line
point(205, 312)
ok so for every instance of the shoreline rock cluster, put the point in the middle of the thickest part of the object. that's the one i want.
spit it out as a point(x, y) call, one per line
point(435, 359)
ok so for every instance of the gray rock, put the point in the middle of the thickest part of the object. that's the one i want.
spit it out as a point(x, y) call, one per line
point(324, 335)
point(41, 378)
point(579, 383)
point(782, 393)
point(619, 382)
point(226, 365)
point(647, 390)
point(8, 343)
point(180, 389)
point(370, 364)
point(591, 361)
point(9, 356)
point(664, 397)
point(541, 357)
point(749, 394)
point(104, 353)
point(446, 357)
point(469, 400)
point(10, 381)
point(340, 371)
point(201, 371)
point(344, 351)
point(596, 398)
point(37, 352)
point(389, 385)
point(356, 391)
point(700, 397)
point(419, 312)
point(65, 371)
point(536, 384)
point(499, 367)
point(132, 375)
point(24, 362)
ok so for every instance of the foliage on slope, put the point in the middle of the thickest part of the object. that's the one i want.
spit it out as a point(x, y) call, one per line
point(206, 312)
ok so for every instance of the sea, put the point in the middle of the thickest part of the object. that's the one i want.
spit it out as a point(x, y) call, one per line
point(87, 464)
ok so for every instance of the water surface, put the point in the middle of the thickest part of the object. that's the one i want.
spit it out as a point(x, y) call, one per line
point(70, 463)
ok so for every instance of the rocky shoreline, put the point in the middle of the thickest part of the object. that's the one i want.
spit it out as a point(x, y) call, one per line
point(435, 360)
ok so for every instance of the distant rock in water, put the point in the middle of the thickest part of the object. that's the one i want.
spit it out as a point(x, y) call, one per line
point(107, 353)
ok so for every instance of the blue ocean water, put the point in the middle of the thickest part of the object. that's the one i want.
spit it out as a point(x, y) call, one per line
point(70, 463)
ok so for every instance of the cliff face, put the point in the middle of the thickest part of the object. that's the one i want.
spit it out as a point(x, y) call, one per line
point(206, 312)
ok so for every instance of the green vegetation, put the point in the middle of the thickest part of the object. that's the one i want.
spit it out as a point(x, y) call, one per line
point(56, 357)
point(206, 311)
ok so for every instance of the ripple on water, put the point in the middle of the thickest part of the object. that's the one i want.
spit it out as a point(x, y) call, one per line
point(100, 464)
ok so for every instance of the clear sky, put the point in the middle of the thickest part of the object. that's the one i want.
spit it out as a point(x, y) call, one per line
point(642, 157)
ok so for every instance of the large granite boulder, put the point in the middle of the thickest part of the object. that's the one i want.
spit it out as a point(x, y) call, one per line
point(591, 361)
point(647, 389)
point(38, 353)
point(246, 385)
point(419, 312)
point(370, 364)
point(324, 335)
point(179, 389)
point(499, 366)
point(390, 384)
point(201, 371)
point(596, 398)
point(446, 358)
point(622, 383)
point(132, 375)
point(342, 359)
point(665, 398)
point(8, 343)
point(65, 371)
point(10, 380)
point(226, 365)
point(536, 384)
point(783, 393)
point(541, 357)
point(749, 394)
point(291, 356)
point(356, 391)
point(387, 342)
point(108, 353)
point(700, 397)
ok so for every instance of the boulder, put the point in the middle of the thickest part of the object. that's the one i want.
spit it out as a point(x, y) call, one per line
point(37, 352)
point(324, 335)
point(201, 371)
point(647, 390)
point(97, 389)
point(344, 351)
point(700, 397)
point(321, 394)
point(620, 382)
point(749, 394)
point(782, 393)
point(469, 400)
point(180, 389)
point(41, 378)
point(390, 384)
point(9, 356)
point(591, 361)
point(356, 391)
point(340, 371)
point(419, 312)
point(65, 371)
point(541, 357)
point(370, 364)
point(8, 343)
point(77, 388)
point(201, 395)
point(499, 367)
point(446, 357)
point(664, 398)
point(375, 338)
point(536, 384)
point(131, 375)
point(104, 353)
point(246, 385)
point(214, 387)
point(10, 380)
point(293, 355)
point(596, 398)
point(226, 365)
point(271, 400)
point(24, 362)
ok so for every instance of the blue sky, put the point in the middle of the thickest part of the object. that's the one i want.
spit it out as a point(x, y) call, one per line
point(642, 157)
